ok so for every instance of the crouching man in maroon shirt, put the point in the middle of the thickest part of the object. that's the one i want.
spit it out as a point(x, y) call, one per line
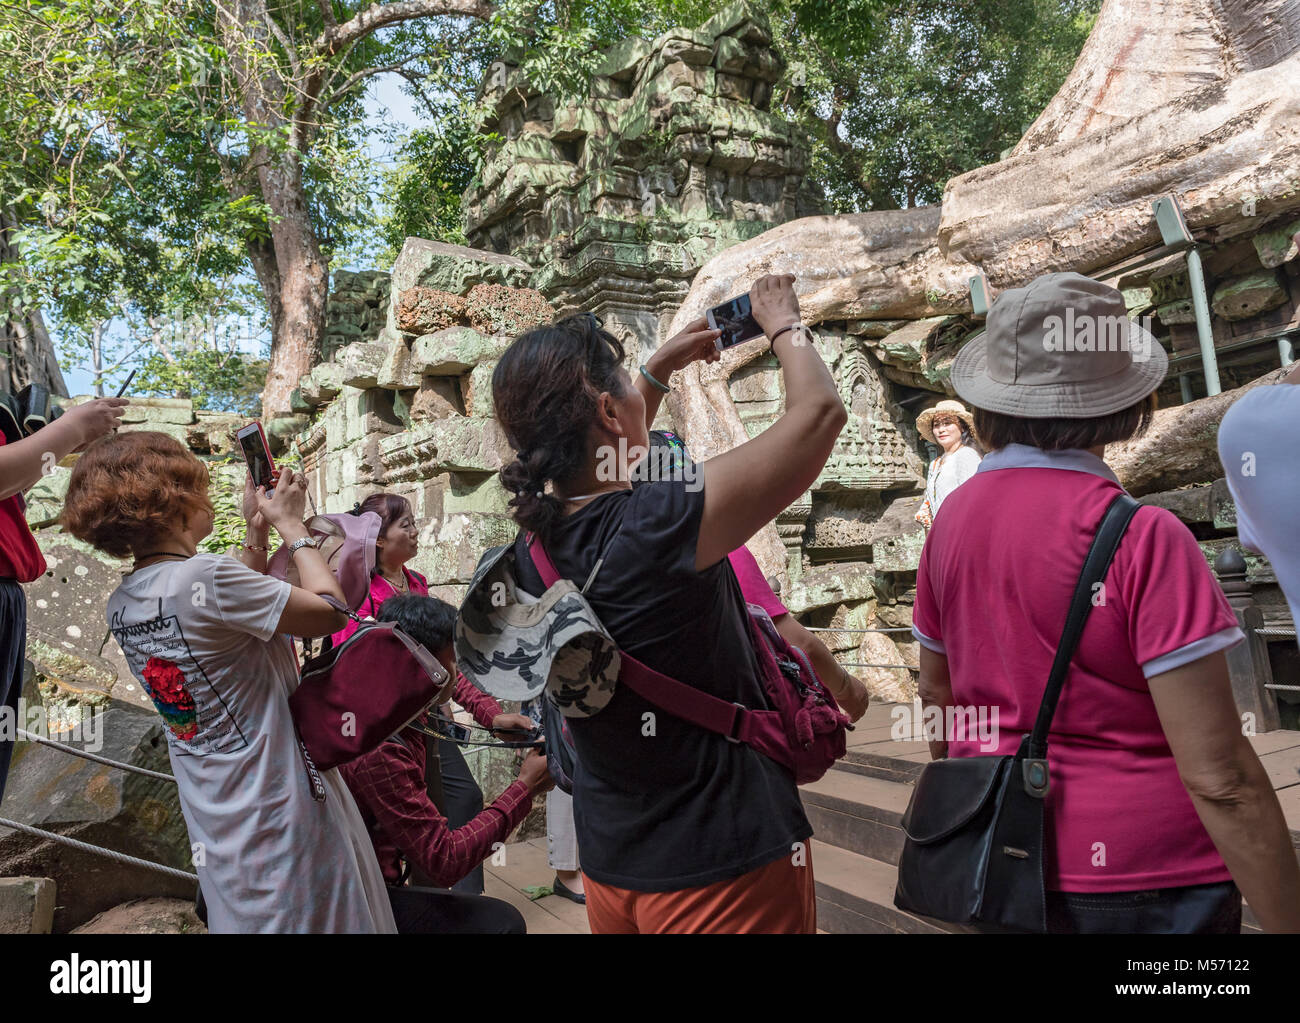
point(409, 834)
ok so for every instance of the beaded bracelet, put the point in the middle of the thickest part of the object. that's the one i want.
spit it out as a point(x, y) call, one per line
point(255, 547)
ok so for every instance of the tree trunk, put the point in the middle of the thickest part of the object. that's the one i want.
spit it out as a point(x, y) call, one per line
point(26, 352)
point(297, 290)
point(291, 270)
point(1140, 56)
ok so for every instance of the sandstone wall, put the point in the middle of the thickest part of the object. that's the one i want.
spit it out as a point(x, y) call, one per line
point(617, 200)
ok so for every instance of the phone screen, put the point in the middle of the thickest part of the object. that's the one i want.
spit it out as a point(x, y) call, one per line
point(735, 320)
point(256, 455)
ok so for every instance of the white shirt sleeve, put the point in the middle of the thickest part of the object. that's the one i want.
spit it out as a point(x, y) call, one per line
point(957, 469)
point(245, 600)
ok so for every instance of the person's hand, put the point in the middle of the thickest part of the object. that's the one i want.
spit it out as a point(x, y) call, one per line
point(773, 302)
point(855, 700)
point(695, 342)
point(534, 773)
point(252, 512)
point(517, 722)
point(92, 419)
point(287, 504)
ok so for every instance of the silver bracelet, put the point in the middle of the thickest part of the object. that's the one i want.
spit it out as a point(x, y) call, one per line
point(301, 542)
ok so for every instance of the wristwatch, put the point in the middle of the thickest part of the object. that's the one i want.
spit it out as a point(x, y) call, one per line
point(302, 541)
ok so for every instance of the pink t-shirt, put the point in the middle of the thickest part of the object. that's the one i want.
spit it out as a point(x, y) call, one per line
point(992, 589)
point(753, 584)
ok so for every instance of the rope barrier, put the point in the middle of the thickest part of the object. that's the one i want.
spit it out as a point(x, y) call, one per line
point(87, 847)
point(859, 664)
point(29, 737)
point(1289, 633)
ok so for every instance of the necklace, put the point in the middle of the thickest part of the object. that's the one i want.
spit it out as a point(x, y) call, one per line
point(588, 497)
point(403, 588)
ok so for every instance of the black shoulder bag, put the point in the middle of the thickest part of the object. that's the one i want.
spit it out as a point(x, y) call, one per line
point(974, 826)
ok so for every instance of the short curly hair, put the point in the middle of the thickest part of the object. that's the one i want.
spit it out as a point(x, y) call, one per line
point(128, 488)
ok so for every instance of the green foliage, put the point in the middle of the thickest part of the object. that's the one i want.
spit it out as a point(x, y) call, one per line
point(92, 177)
point(899, 98)
point(424, 190)
point(896, 98)
point(226, 492)
point(220, 381)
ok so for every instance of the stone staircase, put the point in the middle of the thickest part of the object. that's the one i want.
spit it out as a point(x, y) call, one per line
point(856, 812)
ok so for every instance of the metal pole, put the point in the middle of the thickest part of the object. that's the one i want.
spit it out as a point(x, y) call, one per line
point(1204, 332)
point(1185, 384)
point(1285, 351)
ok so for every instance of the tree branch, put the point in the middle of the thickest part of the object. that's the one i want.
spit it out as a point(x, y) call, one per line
point(358, 76)
point(286, 44)
point(377, 15)
point(336, 38)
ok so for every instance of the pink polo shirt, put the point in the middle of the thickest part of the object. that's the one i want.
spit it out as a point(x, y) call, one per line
point(992, 589)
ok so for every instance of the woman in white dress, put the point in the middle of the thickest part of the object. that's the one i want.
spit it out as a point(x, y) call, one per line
point(278, 845)
point(950, 425)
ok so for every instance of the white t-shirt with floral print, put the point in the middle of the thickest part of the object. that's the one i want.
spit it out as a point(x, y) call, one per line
point(200, 636)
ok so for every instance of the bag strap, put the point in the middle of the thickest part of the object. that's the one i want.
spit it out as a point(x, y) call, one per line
point(342, 608)
point(733, 721)
point(546, 567)
point(1102, 552)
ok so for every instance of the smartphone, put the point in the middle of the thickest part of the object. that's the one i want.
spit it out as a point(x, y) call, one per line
point(257, 453)
point(736, 321)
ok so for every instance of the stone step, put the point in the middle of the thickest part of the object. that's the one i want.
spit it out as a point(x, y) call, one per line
point(857, 812)
point(855, 895)
point(876, 765)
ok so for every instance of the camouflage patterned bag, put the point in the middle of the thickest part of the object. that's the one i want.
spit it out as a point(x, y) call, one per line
point(513, 645)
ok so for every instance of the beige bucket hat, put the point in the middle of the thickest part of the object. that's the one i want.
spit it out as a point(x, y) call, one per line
point(925, 421)
point(1062, 347)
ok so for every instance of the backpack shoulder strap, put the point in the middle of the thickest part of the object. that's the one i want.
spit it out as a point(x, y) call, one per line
point(733, 721)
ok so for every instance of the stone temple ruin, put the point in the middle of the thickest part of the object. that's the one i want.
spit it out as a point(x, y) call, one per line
point(673, 186)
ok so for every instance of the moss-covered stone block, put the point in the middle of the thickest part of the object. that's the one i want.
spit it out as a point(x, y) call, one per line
point(1245, 297)
point(454, 351)
point(1278, 245)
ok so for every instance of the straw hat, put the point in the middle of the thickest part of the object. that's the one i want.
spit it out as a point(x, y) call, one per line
point(1062, 347)
point(952, 408)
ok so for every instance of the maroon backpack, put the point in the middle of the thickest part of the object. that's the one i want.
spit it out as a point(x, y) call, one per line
point(355, 695)
point(804, 731)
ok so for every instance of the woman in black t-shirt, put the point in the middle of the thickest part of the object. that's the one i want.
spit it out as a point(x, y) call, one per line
point(679, 828)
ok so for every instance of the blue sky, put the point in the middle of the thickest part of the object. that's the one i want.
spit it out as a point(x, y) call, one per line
point(385, 99)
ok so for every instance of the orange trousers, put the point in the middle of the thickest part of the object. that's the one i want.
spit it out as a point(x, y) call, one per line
point(777, 898)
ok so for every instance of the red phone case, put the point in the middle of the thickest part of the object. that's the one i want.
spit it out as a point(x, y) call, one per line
point(266, 450)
